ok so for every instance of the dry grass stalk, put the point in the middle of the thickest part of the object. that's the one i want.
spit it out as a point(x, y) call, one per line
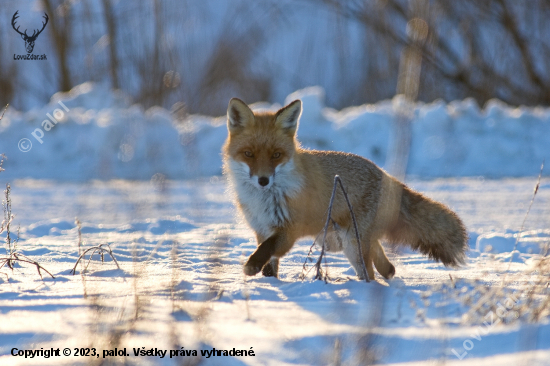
point(79, 227)
point(11, 244)
point(101, 250)
point(2, 116)
point(494, 295)
point(508, 303)
point(2, 158)
point(535, 191)
point(319, 275)
point(6, 223)
point(17, 257)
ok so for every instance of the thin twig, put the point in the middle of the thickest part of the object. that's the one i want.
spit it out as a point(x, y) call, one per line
point(325, 230)
point(318, 275)
point(2, 158)
point(526, 214)
point(79, 227)
point(5, 109)
point(337, 178)
point(17, 257)
point(6, 223)
point(305, 271)
point(97, 249)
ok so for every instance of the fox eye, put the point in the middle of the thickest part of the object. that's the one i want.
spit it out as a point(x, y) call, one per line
point(276, 155)
point(248, 154)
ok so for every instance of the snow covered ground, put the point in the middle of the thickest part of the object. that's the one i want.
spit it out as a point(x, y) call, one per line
point(180, 282)
point(148, 185)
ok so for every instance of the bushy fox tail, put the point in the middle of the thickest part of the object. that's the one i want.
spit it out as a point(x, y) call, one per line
point(429, 227)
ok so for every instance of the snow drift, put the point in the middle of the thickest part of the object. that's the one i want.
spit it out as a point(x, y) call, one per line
point(104, 136)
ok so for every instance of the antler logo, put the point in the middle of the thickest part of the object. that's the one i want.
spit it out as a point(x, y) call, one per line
point(29, 40)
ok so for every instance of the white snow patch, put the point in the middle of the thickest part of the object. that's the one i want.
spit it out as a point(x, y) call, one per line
point(103, 136)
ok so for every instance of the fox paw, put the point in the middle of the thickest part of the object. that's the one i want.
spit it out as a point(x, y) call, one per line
point(391, 272)
point(251, 270)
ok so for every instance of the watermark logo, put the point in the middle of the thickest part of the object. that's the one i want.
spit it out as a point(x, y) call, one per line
point(504, 309)
point(29, 40)
point(25, 144)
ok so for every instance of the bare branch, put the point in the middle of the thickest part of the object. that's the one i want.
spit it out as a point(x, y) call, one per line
point(319, 275)
point(511, 26)
point(99, 250)
point(17, 257)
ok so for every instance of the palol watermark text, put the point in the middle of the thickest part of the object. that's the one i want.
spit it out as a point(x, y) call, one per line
point(25, 144)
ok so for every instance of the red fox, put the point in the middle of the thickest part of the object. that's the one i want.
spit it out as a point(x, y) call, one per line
point(283, 192)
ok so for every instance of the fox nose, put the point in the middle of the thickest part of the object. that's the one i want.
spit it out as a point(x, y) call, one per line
point(263, 181)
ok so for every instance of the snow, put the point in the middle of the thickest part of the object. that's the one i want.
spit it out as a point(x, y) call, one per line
point(104, 136)
point(148, 185)
point(525, 242)
point(181, 252)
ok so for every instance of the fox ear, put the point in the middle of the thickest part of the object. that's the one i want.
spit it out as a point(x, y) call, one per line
point(287, 117)
point(238, 115)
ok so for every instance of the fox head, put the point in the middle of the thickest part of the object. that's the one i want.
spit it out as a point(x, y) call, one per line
point(262, 144)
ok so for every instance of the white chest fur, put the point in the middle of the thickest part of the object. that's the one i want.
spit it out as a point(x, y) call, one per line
point(264, 208)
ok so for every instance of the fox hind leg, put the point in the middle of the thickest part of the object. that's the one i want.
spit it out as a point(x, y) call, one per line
point(351, 250)
point(375, 255)
point(380, 260)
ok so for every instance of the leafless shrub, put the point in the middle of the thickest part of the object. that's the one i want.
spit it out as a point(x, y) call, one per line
point(488, 49)
point(12, 255)
point(18, 257)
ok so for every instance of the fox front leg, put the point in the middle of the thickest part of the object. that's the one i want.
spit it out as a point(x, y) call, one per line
point(261, 256)
point(271, 269)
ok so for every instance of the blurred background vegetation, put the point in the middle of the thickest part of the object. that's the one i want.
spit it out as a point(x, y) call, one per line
point(193, 56)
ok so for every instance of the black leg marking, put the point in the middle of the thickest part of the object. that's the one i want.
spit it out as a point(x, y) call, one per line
point(261, 256)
